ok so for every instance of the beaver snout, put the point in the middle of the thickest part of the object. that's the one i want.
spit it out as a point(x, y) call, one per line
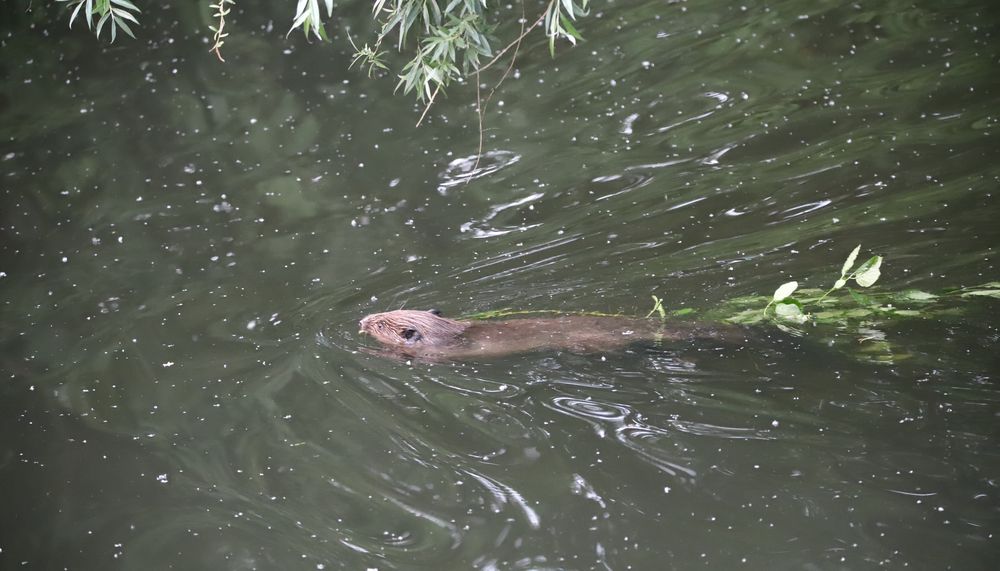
point(404, 327)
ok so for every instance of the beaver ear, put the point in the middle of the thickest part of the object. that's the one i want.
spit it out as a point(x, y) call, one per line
point(434, 311)
point(410, 335)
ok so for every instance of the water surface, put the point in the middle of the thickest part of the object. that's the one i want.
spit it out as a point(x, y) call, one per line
point(187, 248)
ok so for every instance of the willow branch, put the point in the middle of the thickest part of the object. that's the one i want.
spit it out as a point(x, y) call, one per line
point(480, 104)
point(517, 42)
point(429, 103)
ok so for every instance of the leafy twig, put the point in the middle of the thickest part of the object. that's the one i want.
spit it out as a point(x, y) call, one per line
point(790, 309)
point(429, 103)
point(371, 56)
point(307, 17)
point(118, 12)
point(220, 12)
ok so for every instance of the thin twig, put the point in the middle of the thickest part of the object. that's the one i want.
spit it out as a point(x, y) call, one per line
point(480, 104)
point(429, 103)
point(517, 42)
point(219, 34)
point(479, 111)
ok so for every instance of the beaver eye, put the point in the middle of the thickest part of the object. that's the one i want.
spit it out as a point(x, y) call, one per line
point(434, 311)
point(410, 334)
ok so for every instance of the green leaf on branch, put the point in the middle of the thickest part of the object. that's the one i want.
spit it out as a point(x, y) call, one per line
point(309, 17)
point(571, 34)
point(916, 295)
point(869, 272)
point(781, 294)
point(982, 292)
point(114, 12)
point(785, 290)
point(790, 311)
point(847, 265)
point(865, 275)
point(861, 299)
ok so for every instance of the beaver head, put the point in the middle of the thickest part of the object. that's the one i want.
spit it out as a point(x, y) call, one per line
point(412, 328)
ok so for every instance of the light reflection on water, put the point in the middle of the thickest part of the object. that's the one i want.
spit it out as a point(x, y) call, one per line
point(187, 388)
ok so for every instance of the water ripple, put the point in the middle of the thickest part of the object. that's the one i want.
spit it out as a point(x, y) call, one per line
point(480, 229)
point(525, 258)
point(652, 443)
point(591, 409)
point(716, 431)
point(503, 494)
point(596, 413)
point(713, 157)
point(622, 183)
point(465, 169)
point(804, 209)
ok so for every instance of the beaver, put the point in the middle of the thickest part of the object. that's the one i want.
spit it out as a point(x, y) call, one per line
point(427, 334)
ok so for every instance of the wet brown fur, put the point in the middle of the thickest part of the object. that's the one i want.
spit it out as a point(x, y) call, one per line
point(415, 333)
point(408, 328)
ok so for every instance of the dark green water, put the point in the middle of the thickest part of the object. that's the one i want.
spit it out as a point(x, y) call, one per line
point(187, 248)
